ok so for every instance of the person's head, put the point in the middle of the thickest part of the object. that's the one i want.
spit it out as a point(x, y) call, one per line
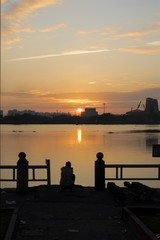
point(68, 164)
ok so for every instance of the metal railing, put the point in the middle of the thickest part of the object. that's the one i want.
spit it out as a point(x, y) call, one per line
point(100, 172)
point(120, 167)
point(14, 168)
point(33, 167)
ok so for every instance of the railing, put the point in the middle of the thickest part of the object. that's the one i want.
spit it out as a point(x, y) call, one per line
point(119, 169)
point(14, 173)
point(33, 167)
point(100, 167)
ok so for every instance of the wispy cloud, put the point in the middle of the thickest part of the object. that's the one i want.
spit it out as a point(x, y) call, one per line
point(53, 28)
point(145, 50)
point(110, 31)
point(97, 47)
point(138, 33)
point(92, 83)
point(71, 53)
point(13, 30)
point(3, 1)
point(7, 47)
point(21, 9)
point(116, 33)
point(15, 12)
point(118, 101)
point(86, 32)
point(154, 43)
point(137, 40)
point(12, 40)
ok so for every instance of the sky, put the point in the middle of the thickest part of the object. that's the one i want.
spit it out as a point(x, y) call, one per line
point(60, 55)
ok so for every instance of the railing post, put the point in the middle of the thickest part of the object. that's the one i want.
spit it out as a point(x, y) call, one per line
point(116, 173)
point(99, 172)
point(13, 174)
point(48, 172)
point(121, 173)
point(22, 173)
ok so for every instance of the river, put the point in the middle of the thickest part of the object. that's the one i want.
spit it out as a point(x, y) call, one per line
point(79, 144)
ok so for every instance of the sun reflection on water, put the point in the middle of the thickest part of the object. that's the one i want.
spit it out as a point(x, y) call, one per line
point(79, 135)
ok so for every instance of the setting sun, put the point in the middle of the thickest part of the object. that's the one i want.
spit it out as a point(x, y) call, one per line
point(79, 110)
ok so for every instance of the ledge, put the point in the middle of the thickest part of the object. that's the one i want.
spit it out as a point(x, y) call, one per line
point(12, 223)
point(139, 229)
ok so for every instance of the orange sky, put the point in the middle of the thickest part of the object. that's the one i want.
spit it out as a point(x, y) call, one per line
point(63, 55)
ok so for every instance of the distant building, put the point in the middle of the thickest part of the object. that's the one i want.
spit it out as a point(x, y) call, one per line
point(89, 112)
point(1, 113)
point(16, 112)
point(151, 105)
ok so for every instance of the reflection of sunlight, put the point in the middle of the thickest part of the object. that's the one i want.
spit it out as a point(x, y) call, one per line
point(79, 135)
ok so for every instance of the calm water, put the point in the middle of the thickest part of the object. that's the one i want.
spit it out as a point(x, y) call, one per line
point(79, 144)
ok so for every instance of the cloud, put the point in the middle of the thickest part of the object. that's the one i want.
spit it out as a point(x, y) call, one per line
point(53, 28)
point(137, 40)
point(139, 33)
point(7, 48)
point(86, 32)
point(96, 47)
point(117, 101)
point(3, 1)
point(110, 31)
point(14, 13)
point(22, 9)
point(12, 40)
point(154, 43)
point(116, 32)
point(145, 50)
point(71, 53)
point(13, 30)
point(92, 83)
point(156, 22)
point(97, 96)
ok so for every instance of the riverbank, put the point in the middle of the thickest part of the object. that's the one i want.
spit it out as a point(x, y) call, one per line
point(138, 117)
point(51, 213)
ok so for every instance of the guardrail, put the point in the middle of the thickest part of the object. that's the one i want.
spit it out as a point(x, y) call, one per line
point(100, 167)
point(120, 167)
point(14, 173)
point(33, 177)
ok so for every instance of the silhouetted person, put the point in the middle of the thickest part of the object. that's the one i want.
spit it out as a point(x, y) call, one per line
point(67, 177)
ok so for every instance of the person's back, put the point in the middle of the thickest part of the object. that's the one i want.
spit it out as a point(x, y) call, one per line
point(67, 176)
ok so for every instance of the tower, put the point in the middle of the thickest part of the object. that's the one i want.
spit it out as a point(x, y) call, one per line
point(151, 105)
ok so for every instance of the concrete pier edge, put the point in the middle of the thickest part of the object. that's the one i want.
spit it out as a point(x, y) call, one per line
point(141, 231)
point(10, 232)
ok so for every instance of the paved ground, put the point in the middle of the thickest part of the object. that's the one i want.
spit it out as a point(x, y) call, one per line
point(49, 213)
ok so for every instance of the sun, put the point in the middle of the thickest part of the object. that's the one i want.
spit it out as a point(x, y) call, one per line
point(79, 110)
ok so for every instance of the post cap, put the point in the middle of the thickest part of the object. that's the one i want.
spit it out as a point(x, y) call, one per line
point(22, 155)
point(99, 155)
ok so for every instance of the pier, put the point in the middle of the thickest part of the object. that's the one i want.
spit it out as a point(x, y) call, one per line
point(47, 212)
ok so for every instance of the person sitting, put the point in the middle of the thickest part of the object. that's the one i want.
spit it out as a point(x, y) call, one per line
point(67, 177)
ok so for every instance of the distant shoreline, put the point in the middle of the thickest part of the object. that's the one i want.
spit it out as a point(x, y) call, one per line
point(104, 119)
point(40, 123)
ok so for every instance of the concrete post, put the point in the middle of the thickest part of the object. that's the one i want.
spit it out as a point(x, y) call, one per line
point(99, 172)
point(22, 173)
